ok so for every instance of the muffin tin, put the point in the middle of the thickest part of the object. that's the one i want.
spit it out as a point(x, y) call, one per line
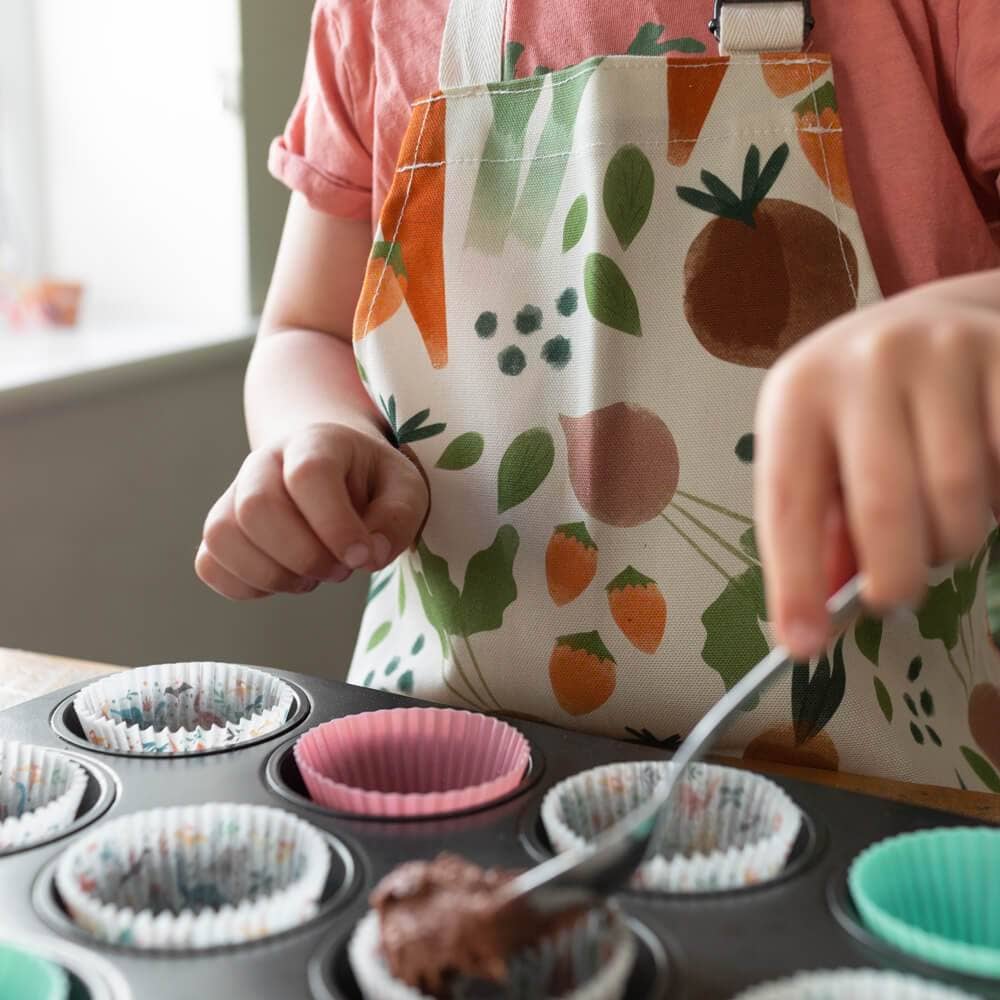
point(708, 945)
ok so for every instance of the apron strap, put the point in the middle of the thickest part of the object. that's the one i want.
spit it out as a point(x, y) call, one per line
point(472, 48)
point(753, 26)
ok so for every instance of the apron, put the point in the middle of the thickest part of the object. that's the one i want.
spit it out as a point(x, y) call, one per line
point(577, 285)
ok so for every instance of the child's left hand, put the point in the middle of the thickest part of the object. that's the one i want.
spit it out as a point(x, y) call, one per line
point(878, 441)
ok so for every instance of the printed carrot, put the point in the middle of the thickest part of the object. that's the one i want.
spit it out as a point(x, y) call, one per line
point(786, 73)
point(384, 289)
point(570, 562)
point(582, 673)
point(691, 92)
point(640, 609)
point(822, 140)
point(413, 219)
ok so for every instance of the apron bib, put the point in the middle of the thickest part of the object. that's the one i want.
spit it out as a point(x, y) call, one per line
point(579, 281)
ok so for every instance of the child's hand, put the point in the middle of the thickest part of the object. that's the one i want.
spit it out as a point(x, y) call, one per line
point(329, 500)
point(877, 444)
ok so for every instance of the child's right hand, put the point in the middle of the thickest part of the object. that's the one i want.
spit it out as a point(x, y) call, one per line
point(327, 500)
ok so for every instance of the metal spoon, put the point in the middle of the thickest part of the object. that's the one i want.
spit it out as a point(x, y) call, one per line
point(584, 874)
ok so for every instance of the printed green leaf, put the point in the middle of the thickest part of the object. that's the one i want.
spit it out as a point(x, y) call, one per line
point(967, 581)
point(913, 670)
point(629, 184)
point(868, 636)
point(512, 56)
point(910, 703)
point(378, 584)
point(576, 223)
point(378, 636)
point(734, 640)
point(418, 645)
point(917, 733)
point(369, 678)
point(993, 588)
point(935, 739)
point(438, 595)
point(647, 42)
point(884, 698)
point(401, 596)
point(524, 467)
point(815, 701)
point(463, 452)
point(983, 769)
point(748, 543)
point(489, 587)
point(938, 618)
point(392, 666)
point(927, 703)
point(392, 254)
point(361, 370)
point(405, 682)
point(609, 295)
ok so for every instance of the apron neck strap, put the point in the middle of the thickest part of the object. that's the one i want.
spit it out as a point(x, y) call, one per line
point(472, 48)
point(745, 26)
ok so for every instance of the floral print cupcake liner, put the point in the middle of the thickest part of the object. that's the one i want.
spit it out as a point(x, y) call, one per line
point(194, 877)
point(852, 984)
point(40, 794)
point(727, 829)
point(182, 708)
point(590, 961)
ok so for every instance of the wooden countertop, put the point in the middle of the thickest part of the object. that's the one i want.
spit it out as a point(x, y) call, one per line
point(26, 675)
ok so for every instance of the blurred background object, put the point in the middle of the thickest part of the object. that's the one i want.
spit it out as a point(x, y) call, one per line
point(138, 227)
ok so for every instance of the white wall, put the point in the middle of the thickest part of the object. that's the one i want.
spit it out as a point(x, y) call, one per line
point(143, 151)
point(102, 498)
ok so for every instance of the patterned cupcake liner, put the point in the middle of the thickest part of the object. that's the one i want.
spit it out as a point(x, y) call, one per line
point(590, 961)
point(182, 707)
point(26, 976)
point(406, 762)
point(727, 829)
point(852, 984)
point(933, 894)
point(40, 794)
point(194, 876)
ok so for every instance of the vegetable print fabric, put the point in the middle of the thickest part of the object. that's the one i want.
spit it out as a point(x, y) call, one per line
point(579, 281)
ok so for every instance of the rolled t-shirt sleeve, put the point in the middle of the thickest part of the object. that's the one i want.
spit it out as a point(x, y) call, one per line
point(325, 152)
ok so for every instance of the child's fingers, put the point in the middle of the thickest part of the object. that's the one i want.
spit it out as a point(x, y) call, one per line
point(954, 461)
point(397, 509)
point(795, 488)
point(316, 469)
point(221, 581)
point(270, 520)
point(882, 492)
point(235, 553)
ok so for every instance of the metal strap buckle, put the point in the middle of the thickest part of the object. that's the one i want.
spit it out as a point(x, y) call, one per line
point(715, 25)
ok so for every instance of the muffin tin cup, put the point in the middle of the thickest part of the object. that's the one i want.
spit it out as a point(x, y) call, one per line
point(26, 976)
point(727, 828)
point(40, 794)
point(194, 877)
point(178, 708)
point(411, 762)
point(597, 953)
point(852, 984)
point(933, 895)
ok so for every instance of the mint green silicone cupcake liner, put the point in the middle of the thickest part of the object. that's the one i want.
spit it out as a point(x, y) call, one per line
point(934, 895)
point(852, 984)
point(24, 976)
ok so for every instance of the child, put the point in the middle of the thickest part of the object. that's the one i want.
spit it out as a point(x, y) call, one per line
point(579, 280)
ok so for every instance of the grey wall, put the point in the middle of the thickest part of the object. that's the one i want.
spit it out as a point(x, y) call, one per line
point(274, 37)
point(102, 496)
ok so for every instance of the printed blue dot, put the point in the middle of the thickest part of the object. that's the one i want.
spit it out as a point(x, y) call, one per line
point(568, 302)
point(486, 325)
point(557, 352)
point(512, 361)
point(529, 319)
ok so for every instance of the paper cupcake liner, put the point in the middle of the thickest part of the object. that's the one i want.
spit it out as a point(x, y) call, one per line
point(404, 762)
point(591, 961)
point(24, 976)
point(727, 829)
point(934, 894)
point(182, 707)
point(194, 876)
point(40, 794)
point(852, 984)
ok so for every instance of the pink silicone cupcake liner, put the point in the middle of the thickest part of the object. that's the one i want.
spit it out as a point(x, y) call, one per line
point(405, 762)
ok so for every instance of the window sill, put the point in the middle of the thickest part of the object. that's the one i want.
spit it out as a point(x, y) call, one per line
point(41, 367)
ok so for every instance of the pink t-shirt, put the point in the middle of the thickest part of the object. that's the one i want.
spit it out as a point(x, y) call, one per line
point(917, 83)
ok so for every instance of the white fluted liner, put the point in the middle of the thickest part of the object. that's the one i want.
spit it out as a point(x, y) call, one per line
point(600, 950)
point(194, 876)
point(727, 828)
point(40, 793)
point(853, 984)
point(411, 761)
point(182, 707)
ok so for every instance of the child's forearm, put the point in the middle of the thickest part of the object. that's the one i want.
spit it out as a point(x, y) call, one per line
point(301, 377)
